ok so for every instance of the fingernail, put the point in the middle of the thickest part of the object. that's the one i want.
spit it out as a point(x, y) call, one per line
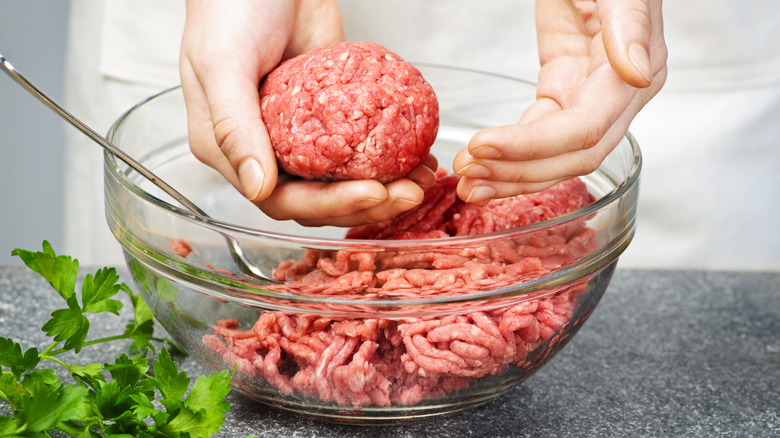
point(486, 151)
point(251, 175)
point(481, 194)
point(401, 205)
point(474, 170)
point(641, 60)
point(368, 203)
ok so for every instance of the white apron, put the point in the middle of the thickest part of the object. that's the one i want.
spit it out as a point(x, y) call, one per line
point(710, 139)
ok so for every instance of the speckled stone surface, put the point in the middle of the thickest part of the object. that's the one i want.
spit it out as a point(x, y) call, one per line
point(665, 354)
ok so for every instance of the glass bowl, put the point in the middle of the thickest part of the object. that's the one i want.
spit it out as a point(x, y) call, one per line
point(364, 330)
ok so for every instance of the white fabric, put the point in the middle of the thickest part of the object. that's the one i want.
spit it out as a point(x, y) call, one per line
point(119, 52)
point(140, 41)
point(710, 189)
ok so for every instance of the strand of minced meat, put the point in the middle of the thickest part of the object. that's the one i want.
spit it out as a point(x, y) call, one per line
point(383, 362)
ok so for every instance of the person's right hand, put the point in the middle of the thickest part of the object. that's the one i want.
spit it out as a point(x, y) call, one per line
point(601, 62)
point(228, 47)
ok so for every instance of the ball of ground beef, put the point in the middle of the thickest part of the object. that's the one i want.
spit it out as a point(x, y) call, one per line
point(354, 110)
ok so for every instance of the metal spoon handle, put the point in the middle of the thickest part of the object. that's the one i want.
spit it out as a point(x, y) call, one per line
point(235, 250)
point(35, 91)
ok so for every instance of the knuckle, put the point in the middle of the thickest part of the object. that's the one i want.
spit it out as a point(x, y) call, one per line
point(640, 13)
point(593, 132)
point(535, 134)
point(274, 213)
point(204, 153)
point(659, 57)
point(374, 215)
point(588, 163)
point(225, 133)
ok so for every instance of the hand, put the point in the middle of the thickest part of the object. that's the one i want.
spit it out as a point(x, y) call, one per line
point(359, 202)
point(228, 46)
point(601, 62)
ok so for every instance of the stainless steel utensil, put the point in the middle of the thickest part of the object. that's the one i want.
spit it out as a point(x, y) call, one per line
point(236, 253)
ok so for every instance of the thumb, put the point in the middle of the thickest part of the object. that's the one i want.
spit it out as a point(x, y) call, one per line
point(626, 28)
point(234, 106)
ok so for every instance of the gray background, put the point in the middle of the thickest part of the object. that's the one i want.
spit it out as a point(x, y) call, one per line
point(32, 38)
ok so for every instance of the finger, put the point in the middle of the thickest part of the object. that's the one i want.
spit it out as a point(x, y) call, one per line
point(480, 192)
point(318, 200)
point(228, 70)
point(234, 107)
point(431, 162)
point(537, 171)
point(578, 127)
point(565, 165)
point(402, 195)
point(424, 174)
point(318, 23)
point(199, 127)
point(569, 164)
point(503, 179)
point(627, 27)
point(541, 106)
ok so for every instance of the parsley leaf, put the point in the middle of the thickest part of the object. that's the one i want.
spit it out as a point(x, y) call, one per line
point(96, 291)
point(59, 271)
point(90, 374)
point(69, 325)
point(171, 383)
point(126, 371)
point(208, 391)
point(204, 409)
point(141, 328)
point(48, 405)
point(112, 399)
point(11, 356)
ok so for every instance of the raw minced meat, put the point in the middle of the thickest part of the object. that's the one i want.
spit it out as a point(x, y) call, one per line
point(429, 271)
point(181, 247)
point(402, 361)
point(354, 110)
point(384, 362)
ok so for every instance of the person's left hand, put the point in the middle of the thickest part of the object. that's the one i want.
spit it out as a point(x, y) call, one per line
point(601, 62)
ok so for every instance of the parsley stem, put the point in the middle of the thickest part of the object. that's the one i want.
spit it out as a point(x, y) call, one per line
point(93, 342)
point(55, 360)
point(48, 350)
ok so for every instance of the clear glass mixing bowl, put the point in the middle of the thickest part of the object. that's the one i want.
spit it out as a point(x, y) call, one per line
point(363, 355)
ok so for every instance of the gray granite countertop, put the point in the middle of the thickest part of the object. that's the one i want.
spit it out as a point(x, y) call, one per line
point(666, 353)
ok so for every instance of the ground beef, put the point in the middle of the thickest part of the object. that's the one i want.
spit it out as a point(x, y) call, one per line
point(350, 111)
point(384, 362)
point(181, 247)
point(424, 272)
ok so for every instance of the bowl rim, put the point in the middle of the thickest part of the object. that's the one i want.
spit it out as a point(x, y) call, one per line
point(111, 163)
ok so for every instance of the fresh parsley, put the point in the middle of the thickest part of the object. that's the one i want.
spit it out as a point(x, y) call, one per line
point(121, 399)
